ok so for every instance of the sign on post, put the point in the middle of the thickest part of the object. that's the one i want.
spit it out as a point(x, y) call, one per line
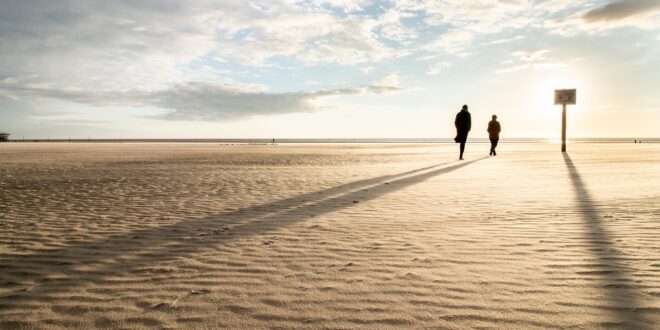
point(564, 97)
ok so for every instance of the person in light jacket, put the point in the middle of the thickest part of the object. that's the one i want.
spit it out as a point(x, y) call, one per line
point(494, 129)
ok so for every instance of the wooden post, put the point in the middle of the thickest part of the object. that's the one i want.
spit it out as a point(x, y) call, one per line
point(563, 128)
point(564, 97)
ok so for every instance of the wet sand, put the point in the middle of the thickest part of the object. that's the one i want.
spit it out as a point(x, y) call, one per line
point(345, 236)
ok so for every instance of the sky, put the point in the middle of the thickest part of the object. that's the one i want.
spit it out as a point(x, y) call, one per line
point(326, 68)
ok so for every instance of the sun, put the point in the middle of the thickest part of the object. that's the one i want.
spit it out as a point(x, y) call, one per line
point(546, 83)
point(534, 97)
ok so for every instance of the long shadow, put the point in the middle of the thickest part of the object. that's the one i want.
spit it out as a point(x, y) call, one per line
point(131, 251)
point(619, 287)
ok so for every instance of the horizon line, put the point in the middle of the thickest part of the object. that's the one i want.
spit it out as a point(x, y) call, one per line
point(325, 139)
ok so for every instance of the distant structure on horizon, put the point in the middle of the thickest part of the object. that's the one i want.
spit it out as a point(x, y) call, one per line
point(4, 137)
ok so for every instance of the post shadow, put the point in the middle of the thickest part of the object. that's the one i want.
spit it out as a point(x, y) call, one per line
point(623, 297)
point(128, 252)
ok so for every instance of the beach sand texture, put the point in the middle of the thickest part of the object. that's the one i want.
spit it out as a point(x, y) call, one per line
point(344, 236)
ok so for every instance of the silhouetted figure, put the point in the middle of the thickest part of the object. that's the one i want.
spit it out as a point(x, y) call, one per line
point(494, 129)
point(463, 125)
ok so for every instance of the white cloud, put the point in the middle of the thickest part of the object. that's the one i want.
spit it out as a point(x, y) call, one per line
point(537, 66)
point(391, 27)
point(345, 5)
point(530, 56)
point(555, 6)
point(398, 32)
point(530, 60)
point(350, 42)
point(168, 53)
point(514, 68)
point(105, 44)
point(504, 40)
point(436, 68)
point(367, 69)
point(387, 85)
point(453, 42)
point(429, 57)
point(483, 16)
point(114, 44)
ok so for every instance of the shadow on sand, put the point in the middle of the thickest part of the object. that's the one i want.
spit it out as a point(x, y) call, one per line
point(619, 287)
point(58, 270)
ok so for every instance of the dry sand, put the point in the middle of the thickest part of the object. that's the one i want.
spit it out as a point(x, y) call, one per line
point(329, 236)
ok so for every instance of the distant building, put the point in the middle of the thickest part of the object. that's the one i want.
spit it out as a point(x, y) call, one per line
point(4, 137)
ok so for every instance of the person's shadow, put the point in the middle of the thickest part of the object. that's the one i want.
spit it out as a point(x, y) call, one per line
point(56, 270)
point(622, 293)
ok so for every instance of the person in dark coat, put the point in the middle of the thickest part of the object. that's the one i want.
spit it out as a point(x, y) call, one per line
point(463, 125)
point(494, 129)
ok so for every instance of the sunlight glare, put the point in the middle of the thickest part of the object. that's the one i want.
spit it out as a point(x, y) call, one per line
point(548, 82)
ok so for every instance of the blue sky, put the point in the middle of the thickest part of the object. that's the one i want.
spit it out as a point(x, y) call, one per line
point(326, 68)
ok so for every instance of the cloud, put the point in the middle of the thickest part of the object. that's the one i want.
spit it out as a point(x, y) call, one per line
point(197, 100)
point(186, 56)
point(530, 56)
point(391, 27)
point(642, 14)
point(366, 69)
point(536, 66)
point(505, 40)
point(436, 68)
point(106, 44)
point(114, 44)
point(206, 101)
point(620, 10)
point(530, 60)
point(389, 84)
point(556, 6)
point(351, 42)
point(482, 16)
point(453, 42)
point(345, 5)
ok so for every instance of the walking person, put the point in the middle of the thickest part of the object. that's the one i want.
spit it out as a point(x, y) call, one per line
point(463, 125)
point(494, 129)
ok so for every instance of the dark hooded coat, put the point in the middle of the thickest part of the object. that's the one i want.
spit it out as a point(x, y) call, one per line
point(463, 125)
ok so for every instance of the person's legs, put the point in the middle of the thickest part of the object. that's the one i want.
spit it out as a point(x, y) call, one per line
point(494, 142)
point(492, 147)
point(462, 149)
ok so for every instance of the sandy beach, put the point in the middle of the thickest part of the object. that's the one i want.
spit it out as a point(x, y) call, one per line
point(329, 236)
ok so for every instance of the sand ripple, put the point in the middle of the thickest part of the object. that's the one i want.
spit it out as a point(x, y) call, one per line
point(328, 237)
